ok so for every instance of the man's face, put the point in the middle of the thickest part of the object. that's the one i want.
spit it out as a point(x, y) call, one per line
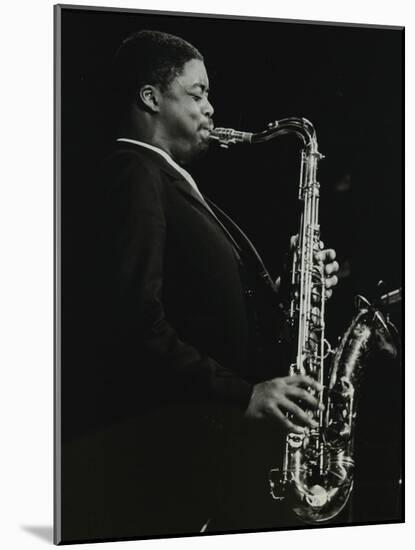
point(185, 112)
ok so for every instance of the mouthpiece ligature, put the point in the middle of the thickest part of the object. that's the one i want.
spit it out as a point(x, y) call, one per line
point(227, 136)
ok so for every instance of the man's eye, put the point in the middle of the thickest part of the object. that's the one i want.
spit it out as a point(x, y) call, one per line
point(197, 97)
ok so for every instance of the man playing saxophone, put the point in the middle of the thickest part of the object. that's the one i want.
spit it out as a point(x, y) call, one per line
point(180, 343)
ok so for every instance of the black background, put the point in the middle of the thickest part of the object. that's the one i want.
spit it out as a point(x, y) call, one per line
point(348, 82)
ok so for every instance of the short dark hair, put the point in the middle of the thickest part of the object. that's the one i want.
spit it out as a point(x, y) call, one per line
point(149, 57)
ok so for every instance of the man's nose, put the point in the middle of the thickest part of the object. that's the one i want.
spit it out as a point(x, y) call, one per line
point(208, 110)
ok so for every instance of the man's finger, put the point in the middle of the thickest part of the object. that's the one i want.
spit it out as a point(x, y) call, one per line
point(287, 423)
point(300, 416)
point(303, 395)
point(304, 381)
point(332, 281)
point(329, 254)
point(293, 241)
point(333, 267)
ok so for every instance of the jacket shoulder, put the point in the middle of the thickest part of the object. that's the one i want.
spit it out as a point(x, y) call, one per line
point(131, 157)
point(129, 166)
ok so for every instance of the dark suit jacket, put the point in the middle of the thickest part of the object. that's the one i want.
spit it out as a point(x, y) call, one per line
point(178, 283)
point(179, 350)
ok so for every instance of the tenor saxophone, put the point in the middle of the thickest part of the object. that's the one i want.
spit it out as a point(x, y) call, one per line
point(317, 473)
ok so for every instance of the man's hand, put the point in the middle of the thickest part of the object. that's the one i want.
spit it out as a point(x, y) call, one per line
point(331, 267)
point(327, 257)
point(292, 395)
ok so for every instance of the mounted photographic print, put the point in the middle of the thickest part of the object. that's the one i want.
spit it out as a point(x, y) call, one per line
point(228, 274)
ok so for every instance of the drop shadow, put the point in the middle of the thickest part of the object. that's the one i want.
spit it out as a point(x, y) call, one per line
point(44, 532)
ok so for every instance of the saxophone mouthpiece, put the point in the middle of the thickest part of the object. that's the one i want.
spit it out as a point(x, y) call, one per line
point(227, 136)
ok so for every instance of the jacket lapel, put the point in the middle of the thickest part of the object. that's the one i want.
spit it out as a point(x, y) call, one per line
point(180, 182)
point(187, 189)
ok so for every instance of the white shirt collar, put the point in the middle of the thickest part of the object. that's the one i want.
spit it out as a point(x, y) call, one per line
point(168, 158)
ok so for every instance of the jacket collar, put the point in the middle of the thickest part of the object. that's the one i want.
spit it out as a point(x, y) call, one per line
point(182, 185)
point(171, 167)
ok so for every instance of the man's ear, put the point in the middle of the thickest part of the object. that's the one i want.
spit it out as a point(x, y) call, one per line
point(150, 96)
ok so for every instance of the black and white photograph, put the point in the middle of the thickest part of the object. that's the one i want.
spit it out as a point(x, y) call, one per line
point(229, 204)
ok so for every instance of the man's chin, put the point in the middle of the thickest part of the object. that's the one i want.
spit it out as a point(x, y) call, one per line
point(198, 151)
point(204, 146)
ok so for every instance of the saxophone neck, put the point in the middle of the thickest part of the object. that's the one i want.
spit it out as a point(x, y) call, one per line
point(301, 127)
